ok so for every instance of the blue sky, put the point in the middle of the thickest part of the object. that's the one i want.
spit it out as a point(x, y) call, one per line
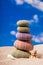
point(13, 10)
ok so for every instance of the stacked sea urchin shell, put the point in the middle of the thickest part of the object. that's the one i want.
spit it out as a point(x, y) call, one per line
point(23, 44)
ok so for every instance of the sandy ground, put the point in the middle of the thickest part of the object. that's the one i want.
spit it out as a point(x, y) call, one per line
point(4, 60)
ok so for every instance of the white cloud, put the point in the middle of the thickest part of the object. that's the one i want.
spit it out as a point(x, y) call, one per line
point(28, 1)
point(41, 39)
point(35, 3)
point(30, 21)
point(41, 6)
point(19, 2)
point(12, 32)
point(34, 20)
point(38, 6)
point(38, 38)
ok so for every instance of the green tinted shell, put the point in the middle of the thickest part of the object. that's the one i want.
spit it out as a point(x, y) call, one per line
point(23, 29)
point(22, 23)
point(20, 54)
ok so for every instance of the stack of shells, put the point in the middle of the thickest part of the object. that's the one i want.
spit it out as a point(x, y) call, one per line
point(23, 44)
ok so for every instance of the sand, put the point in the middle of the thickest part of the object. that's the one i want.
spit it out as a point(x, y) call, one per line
point(4, 60)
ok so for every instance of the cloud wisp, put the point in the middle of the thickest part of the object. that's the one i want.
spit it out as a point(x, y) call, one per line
point(19, 2)
point(35, 3)
point(12, 32)
point(38, 38)
point(34, 20)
